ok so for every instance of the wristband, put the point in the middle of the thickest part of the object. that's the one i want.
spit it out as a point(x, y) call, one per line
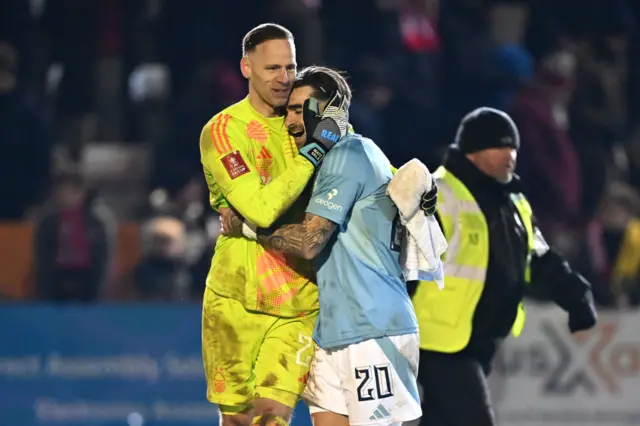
point(313, 152)
point(249, 231)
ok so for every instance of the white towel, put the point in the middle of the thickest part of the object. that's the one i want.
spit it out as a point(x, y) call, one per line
point(424, 243)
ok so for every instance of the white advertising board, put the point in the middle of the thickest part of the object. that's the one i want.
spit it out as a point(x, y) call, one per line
point(548, 377)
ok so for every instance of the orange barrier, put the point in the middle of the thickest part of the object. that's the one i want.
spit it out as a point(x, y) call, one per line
point(16, 257)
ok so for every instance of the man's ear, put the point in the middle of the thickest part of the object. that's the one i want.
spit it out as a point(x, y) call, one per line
point(245, 67)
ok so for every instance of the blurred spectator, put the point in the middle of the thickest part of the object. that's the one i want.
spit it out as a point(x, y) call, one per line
point(74, 243)
point(26, 144)
point(614, 247)
point(414, 107)
point(599, 110)
point(185, 199)
point(162, 273)
point(475, 74)
point(548, 161)
point(508, 25)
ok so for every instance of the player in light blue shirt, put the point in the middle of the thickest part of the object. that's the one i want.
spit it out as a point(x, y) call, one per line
point(361, 288)
point(366, 363)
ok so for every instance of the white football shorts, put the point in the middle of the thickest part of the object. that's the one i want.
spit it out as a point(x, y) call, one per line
point(372, 382)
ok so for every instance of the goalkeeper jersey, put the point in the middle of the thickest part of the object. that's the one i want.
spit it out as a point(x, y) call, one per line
point(252, 164)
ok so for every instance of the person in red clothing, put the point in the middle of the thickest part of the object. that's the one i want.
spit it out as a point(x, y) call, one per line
point(549, 164)
point(73, 241)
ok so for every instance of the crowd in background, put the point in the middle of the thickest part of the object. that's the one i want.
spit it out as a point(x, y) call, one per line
point(149, 73)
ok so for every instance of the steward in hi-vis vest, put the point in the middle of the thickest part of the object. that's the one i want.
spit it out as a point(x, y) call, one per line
point(496, 253)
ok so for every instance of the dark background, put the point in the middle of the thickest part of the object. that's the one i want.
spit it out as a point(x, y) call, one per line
point(102, 102)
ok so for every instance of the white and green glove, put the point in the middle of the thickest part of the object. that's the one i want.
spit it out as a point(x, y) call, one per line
point(326, 129)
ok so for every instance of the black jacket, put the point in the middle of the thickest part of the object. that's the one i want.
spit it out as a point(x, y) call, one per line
point(551, 276)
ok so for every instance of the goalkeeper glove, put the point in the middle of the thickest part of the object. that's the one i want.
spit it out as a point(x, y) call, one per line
point(324, 130)
point(429, 201)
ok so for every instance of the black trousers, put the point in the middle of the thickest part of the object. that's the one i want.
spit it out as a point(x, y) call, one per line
point(455, 391)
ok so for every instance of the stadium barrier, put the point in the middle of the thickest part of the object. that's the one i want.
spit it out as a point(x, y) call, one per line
point(16, 258)
point(106, 365)
point(109, 364)
point(549, 377)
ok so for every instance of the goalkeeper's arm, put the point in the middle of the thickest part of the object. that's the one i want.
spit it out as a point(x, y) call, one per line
point(224, 150)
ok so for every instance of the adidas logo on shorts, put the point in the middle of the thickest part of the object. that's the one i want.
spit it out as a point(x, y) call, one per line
point(380, 413)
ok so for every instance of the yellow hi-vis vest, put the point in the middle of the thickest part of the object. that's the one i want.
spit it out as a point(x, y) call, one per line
point(445, 316)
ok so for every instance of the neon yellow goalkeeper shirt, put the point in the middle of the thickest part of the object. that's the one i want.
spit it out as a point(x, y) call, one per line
point(251, 163)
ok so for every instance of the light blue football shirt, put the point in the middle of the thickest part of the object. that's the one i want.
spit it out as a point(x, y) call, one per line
point(361, 288)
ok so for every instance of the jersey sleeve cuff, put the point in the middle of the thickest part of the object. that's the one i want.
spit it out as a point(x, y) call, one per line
point(334, 217)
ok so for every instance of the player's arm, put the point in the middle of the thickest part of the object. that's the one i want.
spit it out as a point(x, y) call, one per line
point(305, 240)
point(228, 167)
point(553, 278)
point(336, 189)
point(216, 199)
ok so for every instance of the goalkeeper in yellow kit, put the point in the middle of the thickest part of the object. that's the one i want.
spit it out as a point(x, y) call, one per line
point(259, 305)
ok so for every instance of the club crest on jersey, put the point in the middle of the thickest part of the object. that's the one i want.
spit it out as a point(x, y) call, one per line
point(235, 164)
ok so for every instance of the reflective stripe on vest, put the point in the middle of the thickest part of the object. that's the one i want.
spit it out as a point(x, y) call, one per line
point(526, 215)
point(446, 317)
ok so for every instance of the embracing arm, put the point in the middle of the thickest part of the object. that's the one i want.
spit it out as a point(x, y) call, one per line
point(233, 178)
point(304, 240)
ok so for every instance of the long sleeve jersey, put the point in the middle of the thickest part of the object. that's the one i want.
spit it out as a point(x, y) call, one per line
point(252, 165)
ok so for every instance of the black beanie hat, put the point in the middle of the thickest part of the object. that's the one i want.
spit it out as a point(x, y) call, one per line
point(485, 128)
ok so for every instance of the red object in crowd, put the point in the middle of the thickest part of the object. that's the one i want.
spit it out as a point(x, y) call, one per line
point(419, 33)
